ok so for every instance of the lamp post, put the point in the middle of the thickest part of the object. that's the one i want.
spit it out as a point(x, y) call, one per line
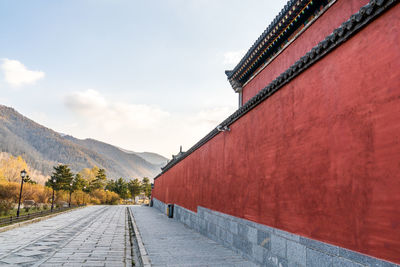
point(70, 193)
point(52, 199)
point(83, 195)
point(23, 174)
point(106, 196)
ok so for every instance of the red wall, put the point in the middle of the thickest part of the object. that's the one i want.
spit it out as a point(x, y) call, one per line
point(319, 158)
point(322, 27)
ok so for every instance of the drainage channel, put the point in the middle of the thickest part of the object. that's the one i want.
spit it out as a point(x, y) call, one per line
point(139, 253)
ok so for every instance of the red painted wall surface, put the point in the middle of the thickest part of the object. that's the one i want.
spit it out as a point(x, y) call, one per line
point(322, 27)
point(319, 158)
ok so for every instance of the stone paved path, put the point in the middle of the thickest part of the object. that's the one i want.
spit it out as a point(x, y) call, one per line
point(91, 236)
point(170, 243)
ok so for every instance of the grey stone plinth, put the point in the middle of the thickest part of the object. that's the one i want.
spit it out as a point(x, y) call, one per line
point(269, 246)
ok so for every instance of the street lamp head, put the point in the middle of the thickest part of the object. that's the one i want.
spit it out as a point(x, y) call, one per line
point(54, 180)
point(70, 184)
point(23, 174)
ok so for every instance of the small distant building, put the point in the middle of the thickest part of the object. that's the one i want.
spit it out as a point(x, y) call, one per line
point(174, 159)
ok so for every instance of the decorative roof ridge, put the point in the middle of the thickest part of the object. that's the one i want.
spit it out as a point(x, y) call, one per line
point(290, 6)
point(355, 23)
point(270, 27)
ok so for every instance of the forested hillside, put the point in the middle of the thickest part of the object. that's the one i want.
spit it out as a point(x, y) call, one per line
point(43, 148)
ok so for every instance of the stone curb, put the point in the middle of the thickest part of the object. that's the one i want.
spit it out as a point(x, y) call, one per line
point(143, 253)
point(16, 225)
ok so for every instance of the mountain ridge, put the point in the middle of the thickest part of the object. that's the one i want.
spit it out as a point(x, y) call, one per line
point(43, 148)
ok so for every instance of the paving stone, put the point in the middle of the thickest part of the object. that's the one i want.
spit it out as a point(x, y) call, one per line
point(29, 253)
point(171, 243)
point(81, 237)
point(17, 259)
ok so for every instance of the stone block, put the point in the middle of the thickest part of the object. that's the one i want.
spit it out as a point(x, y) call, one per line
point(227, 223)
point(318, 259)
point(222, 234)
point(243, 245)
point(341, 262)
point(252, 235)
point(233, 227)
point(242, 230)
point(212, 229)
point(287, 235)
point(229, 238)
point(278, 245)
point(264, 228)
point(295, 264)
point(203, 226)
point(364, 259)
point(264, 239)
point(177, 215)
point(320, 246)
point(296, 252)
point(200, 212)
point(272, 260)
point(259, 254)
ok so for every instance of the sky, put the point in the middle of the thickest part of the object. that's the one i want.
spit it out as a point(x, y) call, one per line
point(141, 75)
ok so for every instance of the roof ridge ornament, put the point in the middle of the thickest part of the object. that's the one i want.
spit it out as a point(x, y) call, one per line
point(281, 30)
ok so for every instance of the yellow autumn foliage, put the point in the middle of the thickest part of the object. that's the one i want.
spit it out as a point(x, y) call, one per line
point(89, 174)
point(10, 168)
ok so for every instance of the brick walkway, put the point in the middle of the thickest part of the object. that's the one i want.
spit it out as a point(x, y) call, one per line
point(170, 243)
point(92, 236)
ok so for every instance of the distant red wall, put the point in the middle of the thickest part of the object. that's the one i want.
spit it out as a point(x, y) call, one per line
point(319, 158)
point(322, 27)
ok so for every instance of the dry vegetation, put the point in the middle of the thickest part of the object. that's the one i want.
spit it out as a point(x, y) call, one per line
point(10, 183)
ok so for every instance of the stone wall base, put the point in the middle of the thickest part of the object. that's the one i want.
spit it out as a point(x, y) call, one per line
point(266, 245)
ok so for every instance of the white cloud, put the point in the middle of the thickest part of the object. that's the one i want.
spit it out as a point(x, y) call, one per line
point(16, 74)
point(232, 58)
point(86, 102)
point(139, 127)
point(113, 116)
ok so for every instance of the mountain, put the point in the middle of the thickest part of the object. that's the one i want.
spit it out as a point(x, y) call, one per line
point(43, 148)
point(151, 157)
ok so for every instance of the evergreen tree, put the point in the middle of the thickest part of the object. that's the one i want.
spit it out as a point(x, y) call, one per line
point(146, 186)
point(135, 187)
point(63, 178)
point(111, 185)
point(79, 182)
point(100, 180)
point(119, 186)
point(122, 188)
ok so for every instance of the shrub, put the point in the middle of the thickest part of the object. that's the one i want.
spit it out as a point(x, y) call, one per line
point(105, 197)
point(5, 207)
point(95, 201)
point(9, 191)
point(112, 198)
point(36, 192)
